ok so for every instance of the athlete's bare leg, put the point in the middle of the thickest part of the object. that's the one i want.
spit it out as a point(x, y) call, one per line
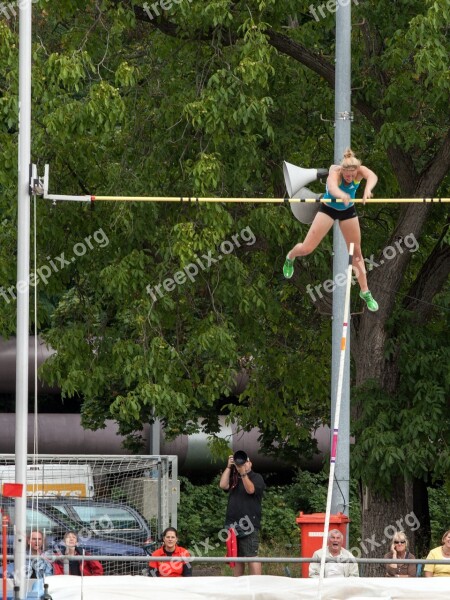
point(319, 228)
point(352, 234)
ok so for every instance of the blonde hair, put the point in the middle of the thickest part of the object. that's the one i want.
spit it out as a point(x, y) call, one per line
point(350, 159)
point(402, 538)
point(445, 535)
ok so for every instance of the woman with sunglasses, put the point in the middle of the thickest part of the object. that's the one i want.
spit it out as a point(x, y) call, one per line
point(399, 549)
point(343, 182)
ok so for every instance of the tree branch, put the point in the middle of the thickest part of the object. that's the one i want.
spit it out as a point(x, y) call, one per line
point(434, 173)
point(411, 183)
point(430, 280)
point(279, 41)
point(309, 59)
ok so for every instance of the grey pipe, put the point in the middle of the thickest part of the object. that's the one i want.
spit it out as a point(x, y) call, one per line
point(8, 352)
point(63, 434)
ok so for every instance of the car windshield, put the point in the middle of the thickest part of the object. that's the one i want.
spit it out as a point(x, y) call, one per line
point(60, 508)
point(106, 518)
point(37, 519)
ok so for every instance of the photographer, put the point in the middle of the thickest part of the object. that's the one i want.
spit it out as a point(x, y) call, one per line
point(245, 491)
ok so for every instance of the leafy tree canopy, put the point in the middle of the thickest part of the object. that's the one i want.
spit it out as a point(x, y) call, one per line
point(208, 99)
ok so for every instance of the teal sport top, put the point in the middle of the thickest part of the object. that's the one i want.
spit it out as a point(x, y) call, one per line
point(349, 188)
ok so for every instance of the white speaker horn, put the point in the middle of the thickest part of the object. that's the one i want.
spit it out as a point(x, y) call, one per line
point(297, 177)
point(305, 211)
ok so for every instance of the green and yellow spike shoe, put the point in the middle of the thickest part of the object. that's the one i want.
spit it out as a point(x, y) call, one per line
point(288, 267)
point(372, 304)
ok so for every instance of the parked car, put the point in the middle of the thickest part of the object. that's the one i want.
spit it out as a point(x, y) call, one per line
point(112, 520)
point(104, 528)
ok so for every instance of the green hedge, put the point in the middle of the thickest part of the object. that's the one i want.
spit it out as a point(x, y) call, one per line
point(201, 512)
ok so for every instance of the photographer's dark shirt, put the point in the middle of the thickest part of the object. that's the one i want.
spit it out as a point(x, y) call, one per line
point(241, 504)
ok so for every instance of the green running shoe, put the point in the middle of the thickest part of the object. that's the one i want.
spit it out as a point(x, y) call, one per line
point(372, 304)
point(288, 267)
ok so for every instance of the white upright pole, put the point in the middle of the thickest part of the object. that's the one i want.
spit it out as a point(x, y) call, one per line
point(23, 270)
point(335, 435)
point(342, 139)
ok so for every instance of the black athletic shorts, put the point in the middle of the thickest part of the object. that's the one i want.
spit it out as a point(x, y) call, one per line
point(339, 215)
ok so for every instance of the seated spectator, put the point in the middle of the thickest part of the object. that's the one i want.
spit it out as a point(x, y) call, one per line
point(38, 564)
point(400, 549)
point(334, 550)
point(174, 568)
point(439, 553)
point(75, 567)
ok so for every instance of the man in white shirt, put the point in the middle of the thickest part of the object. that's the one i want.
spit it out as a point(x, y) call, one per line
point(334, 550)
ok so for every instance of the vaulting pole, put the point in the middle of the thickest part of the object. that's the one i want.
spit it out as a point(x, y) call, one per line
point(343, 354)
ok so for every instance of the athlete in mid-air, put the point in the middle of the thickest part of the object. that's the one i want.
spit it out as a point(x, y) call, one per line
point(343, 181)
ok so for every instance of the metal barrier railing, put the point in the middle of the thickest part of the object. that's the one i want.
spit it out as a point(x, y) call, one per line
point(245, 559)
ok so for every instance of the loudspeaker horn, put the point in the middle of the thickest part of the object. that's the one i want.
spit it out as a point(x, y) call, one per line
point(305, 211)
point(297, 177)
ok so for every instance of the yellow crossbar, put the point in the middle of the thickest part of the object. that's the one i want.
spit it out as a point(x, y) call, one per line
point(258, 200)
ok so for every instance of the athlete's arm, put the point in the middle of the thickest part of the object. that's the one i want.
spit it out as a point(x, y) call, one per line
point(333, 184)
point(371, 181)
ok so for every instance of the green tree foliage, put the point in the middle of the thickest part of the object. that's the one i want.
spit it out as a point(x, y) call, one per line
point(208, 99)
point(201, 512)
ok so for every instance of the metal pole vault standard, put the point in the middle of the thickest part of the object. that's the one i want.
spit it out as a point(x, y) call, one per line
point(23, 271)
point(342, 140)
point(337, 411)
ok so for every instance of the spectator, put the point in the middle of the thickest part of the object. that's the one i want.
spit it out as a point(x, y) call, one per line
point(400, 549)
point(439, 553)
point(334, 550)
point(75, 567)
point(170, 547)
point(245, 491)
point(38, 563)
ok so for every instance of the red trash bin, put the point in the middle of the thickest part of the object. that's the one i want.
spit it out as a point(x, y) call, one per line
point(311, 532)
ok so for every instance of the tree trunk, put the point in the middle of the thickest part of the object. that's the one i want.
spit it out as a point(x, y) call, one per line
point(406, 506)
point(380, 518)
point(420, 541)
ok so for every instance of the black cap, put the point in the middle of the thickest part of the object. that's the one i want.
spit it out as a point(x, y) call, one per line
point(240, 457)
